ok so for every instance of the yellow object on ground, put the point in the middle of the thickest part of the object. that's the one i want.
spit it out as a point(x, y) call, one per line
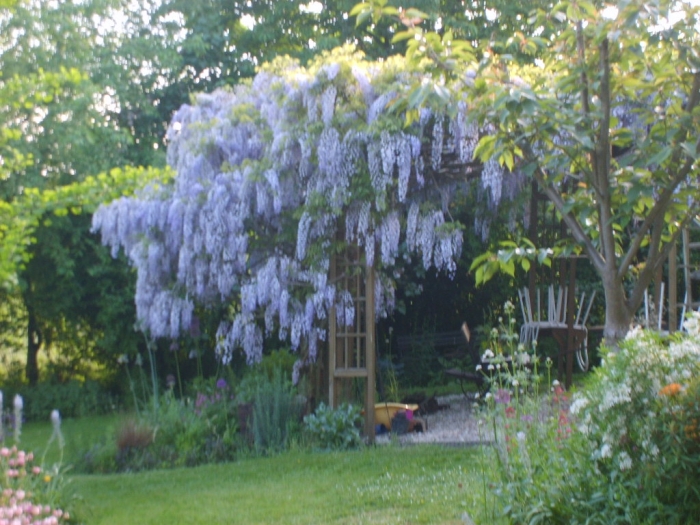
point(384, 412)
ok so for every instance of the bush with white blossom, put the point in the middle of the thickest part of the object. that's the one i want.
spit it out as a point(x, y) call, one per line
point(623, 448)
point(640, 413)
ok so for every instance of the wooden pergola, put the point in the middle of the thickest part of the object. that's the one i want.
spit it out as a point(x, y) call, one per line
point(352, 348)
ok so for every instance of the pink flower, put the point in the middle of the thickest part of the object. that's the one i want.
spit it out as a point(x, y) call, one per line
point(502, 396)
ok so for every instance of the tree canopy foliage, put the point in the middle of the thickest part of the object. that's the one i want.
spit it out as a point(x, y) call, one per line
point(604, 116)
point(64, 119)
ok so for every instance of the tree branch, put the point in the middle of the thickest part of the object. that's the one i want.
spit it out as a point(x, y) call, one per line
point(661, 204)
point(602, 164)
point(576, 230)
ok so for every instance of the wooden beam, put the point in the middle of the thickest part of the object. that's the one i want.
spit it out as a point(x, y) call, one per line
point(371, 355)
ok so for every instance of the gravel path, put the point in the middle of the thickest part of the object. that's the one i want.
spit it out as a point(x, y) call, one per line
point(455, 425)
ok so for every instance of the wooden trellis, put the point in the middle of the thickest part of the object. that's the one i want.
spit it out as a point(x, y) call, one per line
point(352, 352)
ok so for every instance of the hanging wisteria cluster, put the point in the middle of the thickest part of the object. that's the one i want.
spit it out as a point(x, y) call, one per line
point(269, 176)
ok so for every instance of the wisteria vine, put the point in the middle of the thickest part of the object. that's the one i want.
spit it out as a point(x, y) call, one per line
point(269, 176)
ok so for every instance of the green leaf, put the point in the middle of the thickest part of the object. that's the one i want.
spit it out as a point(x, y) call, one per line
point(509, 268)
point(660, 156)
point(360, 8)
point(690, 149)
point(403, 35)
point(507, 158)
point(486, 147)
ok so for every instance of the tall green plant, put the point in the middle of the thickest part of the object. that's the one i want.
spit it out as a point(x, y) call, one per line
point(276, 412)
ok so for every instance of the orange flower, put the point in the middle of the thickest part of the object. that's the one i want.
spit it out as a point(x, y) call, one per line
point(692, 431)
point(670, 390)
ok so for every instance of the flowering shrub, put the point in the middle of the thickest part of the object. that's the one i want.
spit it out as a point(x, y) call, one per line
point(29, 494)
point(639, 415)
point(625, 448)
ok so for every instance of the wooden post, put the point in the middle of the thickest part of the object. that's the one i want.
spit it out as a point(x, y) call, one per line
point(371, 354)
point(562, 351)
point(570, 307)
point(532, 234)
point(673, 289)
point(332, 342)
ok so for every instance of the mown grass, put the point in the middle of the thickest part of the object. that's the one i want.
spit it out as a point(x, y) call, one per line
point(377, 485)
point(79, 434)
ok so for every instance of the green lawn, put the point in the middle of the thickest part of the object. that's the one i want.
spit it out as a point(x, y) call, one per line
point(377, 485)
point(79, 435)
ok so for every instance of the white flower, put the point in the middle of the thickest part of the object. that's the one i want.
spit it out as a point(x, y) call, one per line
point(56, 423)
point(478, 367)
point(488, 354)
point(578, 404)
point(520, 436)
point(490, 367)
point(123, 359)
point(524, 358)
point(488, 396)
point(606, 451)
point(625, 461)
point(555, 382)
point(515, 382)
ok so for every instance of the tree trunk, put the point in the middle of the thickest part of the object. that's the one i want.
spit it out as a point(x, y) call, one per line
point(34, 341)
point(618, 316)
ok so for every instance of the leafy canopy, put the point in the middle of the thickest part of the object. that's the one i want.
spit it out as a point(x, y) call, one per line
point(603, 115)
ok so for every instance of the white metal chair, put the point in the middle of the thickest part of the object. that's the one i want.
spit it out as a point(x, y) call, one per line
point(556, 318)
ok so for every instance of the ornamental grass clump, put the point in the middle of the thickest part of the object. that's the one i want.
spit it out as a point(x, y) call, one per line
point(276, 413)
